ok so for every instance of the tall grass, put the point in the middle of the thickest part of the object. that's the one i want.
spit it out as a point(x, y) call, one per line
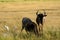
point(49, 33)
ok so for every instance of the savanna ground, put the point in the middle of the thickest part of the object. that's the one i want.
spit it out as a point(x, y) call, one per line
point(11, 14)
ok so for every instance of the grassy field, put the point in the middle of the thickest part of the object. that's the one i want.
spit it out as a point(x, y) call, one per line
point(11, 14)
point(25, 0)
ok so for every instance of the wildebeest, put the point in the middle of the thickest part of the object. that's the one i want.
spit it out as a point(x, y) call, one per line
point(29, 26)
point(39, 19)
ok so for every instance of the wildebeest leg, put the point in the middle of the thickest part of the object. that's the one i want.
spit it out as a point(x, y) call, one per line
point(36, 31)
point(26, 31)
point(22, 28)
point(41, 29)
point(38, 26)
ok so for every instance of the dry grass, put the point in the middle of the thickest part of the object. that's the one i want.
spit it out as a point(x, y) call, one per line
point(11, 14)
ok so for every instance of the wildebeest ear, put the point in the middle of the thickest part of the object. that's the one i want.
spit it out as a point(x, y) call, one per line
point(45, 13)
point(37, 12)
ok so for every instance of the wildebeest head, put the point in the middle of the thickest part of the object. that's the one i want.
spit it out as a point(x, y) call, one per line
point(40, 17)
